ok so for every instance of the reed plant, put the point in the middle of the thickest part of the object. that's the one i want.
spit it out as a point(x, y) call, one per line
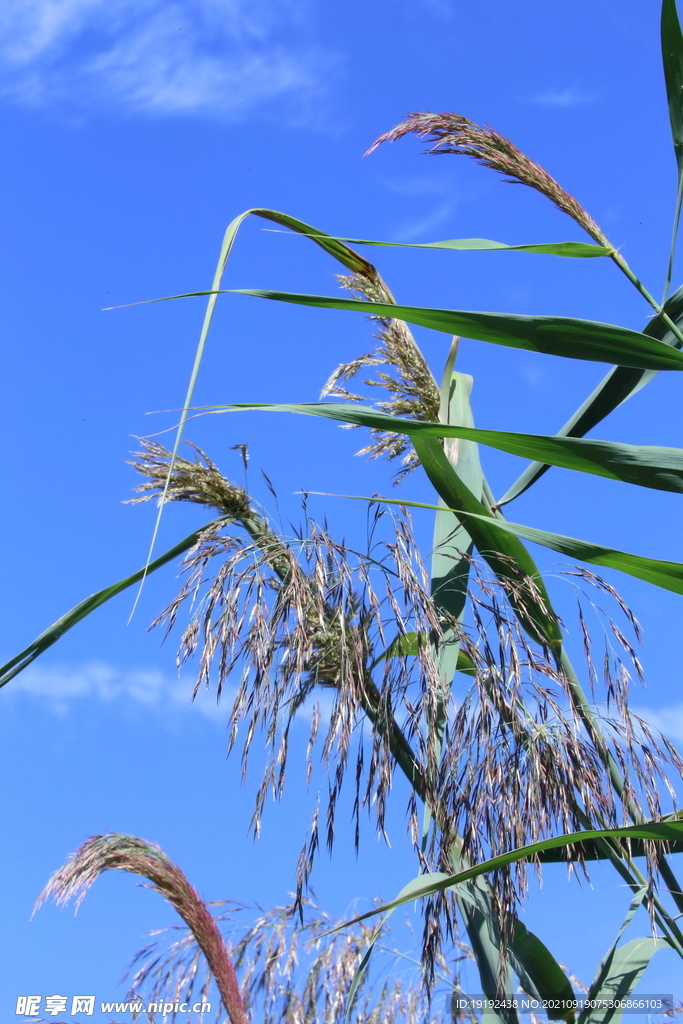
point(510, 756)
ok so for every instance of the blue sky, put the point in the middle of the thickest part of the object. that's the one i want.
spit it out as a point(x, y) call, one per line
point(134, 132)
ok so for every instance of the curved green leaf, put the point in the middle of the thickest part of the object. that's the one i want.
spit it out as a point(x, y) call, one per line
point(626, 968)
point(575, 250)
point(667, 575)
point(350, 259)
point(596, 851)
point(51, 635)
point(451, 550)
point(539, 973)
point(646, 465)
point(451, 544)
point(553, 335)
point(484, 940)
point(409, 644)
point(672, 60)
point(564, 336)
point(661, 831)
point(365, 960)
point(616, 387)
point(603, 972)
point(505, 554)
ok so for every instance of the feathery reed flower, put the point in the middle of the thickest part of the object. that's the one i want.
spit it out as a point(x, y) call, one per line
point(120, 852)
point(410, 384)
point(453, 133)
point(279, 618)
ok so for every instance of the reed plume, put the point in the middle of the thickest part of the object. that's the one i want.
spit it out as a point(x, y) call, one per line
point(453, 133)
point(119, 852)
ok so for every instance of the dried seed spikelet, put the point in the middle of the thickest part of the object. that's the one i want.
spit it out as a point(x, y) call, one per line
point(200, 481)
point(453, 133)
point(412, 388)
point(292, 976)
point(117, 851)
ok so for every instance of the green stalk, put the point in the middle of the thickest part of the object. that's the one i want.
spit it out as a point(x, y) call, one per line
point(636, 881)
point(624, 267)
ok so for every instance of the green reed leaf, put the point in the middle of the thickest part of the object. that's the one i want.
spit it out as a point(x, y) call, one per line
point(667, 575)
point(672, 60)
point(484, 938)
point(604, 969)
point(574, 250)
point(539, 973)
point(350, 259)
point(646, 465)
point(409, 644)
point(80, 611)
point(451, 548)
point(365, 960)
point(565, 336)
point(626, 968)
point(616, 387)
point(660, 831)
point(553, 335)
point(504, 552)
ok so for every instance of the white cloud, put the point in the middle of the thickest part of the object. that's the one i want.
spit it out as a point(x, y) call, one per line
point(423, 226)
point(569, 97)
point(58, 687)
point(222, 58)
point(417, 229)
point(668, 720)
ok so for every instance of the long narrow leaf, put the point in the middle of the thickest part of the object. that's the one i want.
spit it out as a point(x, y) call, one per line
point(595, 850)
point(604, 969)
point(539, 973)
point(57, 630)
point(575, 250)
point(667, 575)
point(616, 387)
point(626, 969)
point(505, 554)
point(499, 990)
point(664, 574)
point(565, 336)
point(409, 644)
point(451, 548)
point(553, 335)
point(350, 259)
point(672, 60)
point(661, 831)
point(365, 959)
point(646, 465)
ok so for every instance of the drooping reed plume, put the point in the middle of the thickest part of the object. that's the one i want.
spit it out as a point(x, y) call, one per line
point(293, 973)
point(119, 852)
point(290, 970)
point(277, 620)
point(453, 133)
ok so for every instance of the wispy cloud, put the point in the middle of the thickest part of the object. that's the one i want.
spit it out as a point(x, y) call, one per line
point(221, 58)
point(59, 687)
point(569, 97)
point(668, 720)
point(417, 229)
point(427, 221)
